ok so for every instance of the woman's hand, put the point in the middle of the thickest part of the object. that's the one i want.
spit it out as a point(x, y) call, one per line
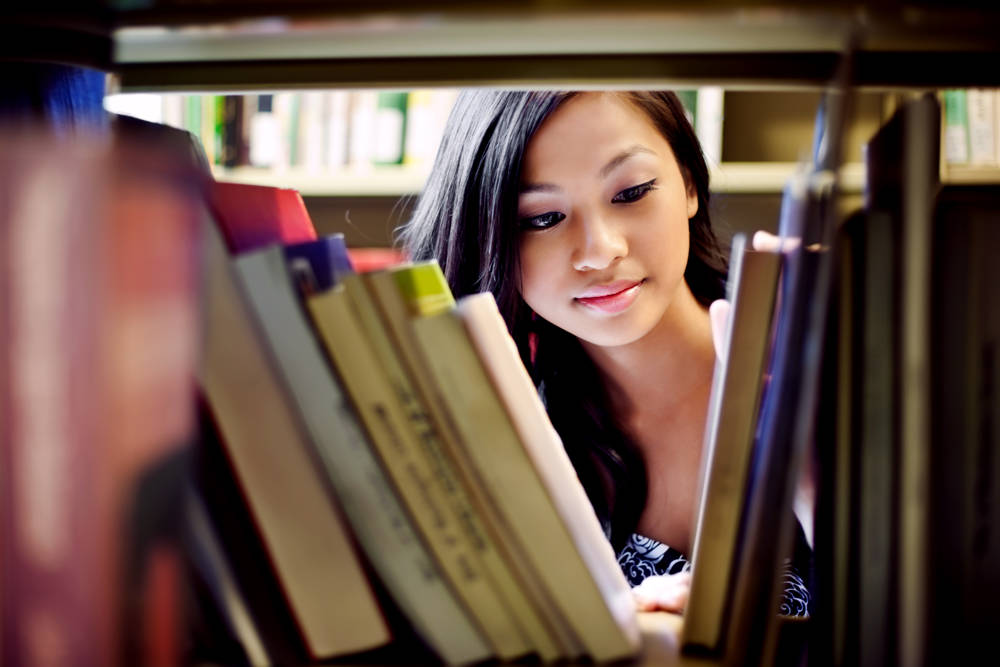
point(663, 592)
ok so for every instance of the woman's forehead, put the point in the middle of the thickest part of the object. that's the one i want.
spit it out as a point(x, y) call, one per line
point(592, 132)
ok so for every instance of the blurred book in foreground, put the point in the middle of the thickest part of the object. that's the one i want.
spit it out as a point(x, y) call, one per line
point(98, 343)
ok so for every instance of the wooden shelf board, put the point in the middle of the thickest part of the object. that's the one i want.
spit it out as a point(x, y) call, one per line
point(391, 181)
point(966, 174)
point(383, 181)
point(636, 45)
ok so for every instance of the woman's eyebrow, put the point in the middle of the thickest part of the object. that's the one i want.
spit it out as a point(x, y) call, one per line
point(621, 157)
point(612, 164)
point(537, 187)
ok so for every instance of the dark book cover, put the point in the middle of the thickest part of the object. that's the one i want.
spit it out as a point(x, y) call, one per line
point(318, 265)
point(964, 539)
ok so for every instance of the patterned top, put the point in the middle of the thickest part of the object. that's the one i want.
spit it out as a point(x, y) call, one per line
point(644, 557)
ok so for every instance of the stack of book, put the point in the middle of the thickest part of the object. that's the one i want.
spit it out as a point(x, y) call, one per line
point(395, 467)
point(908, 526)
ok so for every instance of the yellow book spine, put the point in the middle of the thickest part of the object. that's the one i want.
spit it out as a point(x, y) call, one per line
point(400, 454)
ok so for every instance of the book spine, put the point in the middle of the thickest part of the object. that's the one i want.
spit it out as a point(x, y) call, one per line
point(733, 410)
point(878, 421)
point(312, 140)
point(419, 485)
point(919, 187)
point(982, 127)
point(956, 127)
point(390, 127)
point(708, 115)
point(540, 443)
point(50, 525)
point(361, 140)
point(455, 367)
point(337, 128)
point(265, 133)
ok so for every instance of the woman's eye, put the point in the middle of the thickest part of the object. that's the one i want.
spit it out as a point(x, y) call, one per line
point(543, 221)
point(634, 193)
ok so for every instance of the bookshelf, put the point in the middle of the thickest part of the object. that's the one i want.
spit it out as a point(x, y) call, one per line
point(751, 147)
point(747, 46)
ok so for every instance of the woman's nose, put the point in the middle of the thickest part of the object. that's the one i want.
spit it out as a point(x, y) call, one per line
point(599, 243)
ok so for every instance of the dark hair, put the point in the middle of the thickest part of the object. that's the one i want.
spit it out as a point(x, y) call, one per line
point(466, 218)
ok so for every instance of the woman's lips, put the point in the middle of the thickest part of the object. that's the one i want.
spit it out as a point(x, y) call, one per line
point(612, 298)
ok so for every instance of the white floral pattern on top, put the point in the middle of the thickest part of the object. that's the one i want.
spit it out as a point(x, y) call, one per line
point(645, 557)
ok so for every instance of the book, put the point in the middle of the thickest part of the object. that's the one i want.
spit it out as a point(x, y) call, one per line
point(337, 128)
point(313, 556)
point(833, 620)
point(252, 216)
point(390, 127)
point(708, 114)
point(366, 260)
point(472, 509)
point(420, 288)
point(426, 114)
point(318, 265)
point(265, 134)
point(213, 566)
point(878, 423)
point(592, 579)
point(838, 569)
point(784, 424)
point(982, 123)
point(408, 295)
point(98, 340)
point(956, 126)
point(416, 476)
point(963, 542)
point(729, 438)
point(380, 522)
point(906, 182)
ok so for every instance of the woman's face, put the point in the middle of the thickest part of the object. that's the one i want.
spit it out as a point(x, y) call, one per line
point(603, 211)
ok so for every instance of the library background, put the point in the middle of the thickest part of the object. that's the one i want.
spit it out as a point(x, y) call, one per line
point(237, 427)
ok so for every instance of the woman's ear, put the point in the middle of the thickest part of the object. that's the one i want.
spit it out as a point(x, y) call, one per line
point(692, 200)
point(691, 191)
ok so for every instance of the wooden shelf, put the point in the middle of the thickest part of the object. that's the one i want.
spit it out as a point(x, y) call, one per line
point(577, 44)
point(967, 174)
point(391, 181)
point(771, 177)
point(386, 181)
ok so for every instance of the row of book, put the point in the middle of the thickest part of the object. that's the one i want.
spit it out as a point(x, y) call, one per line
point(861, 375)
point(312, 131)
point(367, 466)
point(972, 126)
point(326, 131)
point(223, 443)
point(907, 541)
point(418, 414)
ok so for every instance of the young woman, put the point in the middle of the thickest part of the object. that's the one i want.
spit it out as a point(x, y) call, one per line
point(586, 215)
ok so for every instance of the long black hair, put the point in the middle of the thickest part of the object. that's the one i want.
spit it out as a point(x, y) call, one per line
point(466, 218)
